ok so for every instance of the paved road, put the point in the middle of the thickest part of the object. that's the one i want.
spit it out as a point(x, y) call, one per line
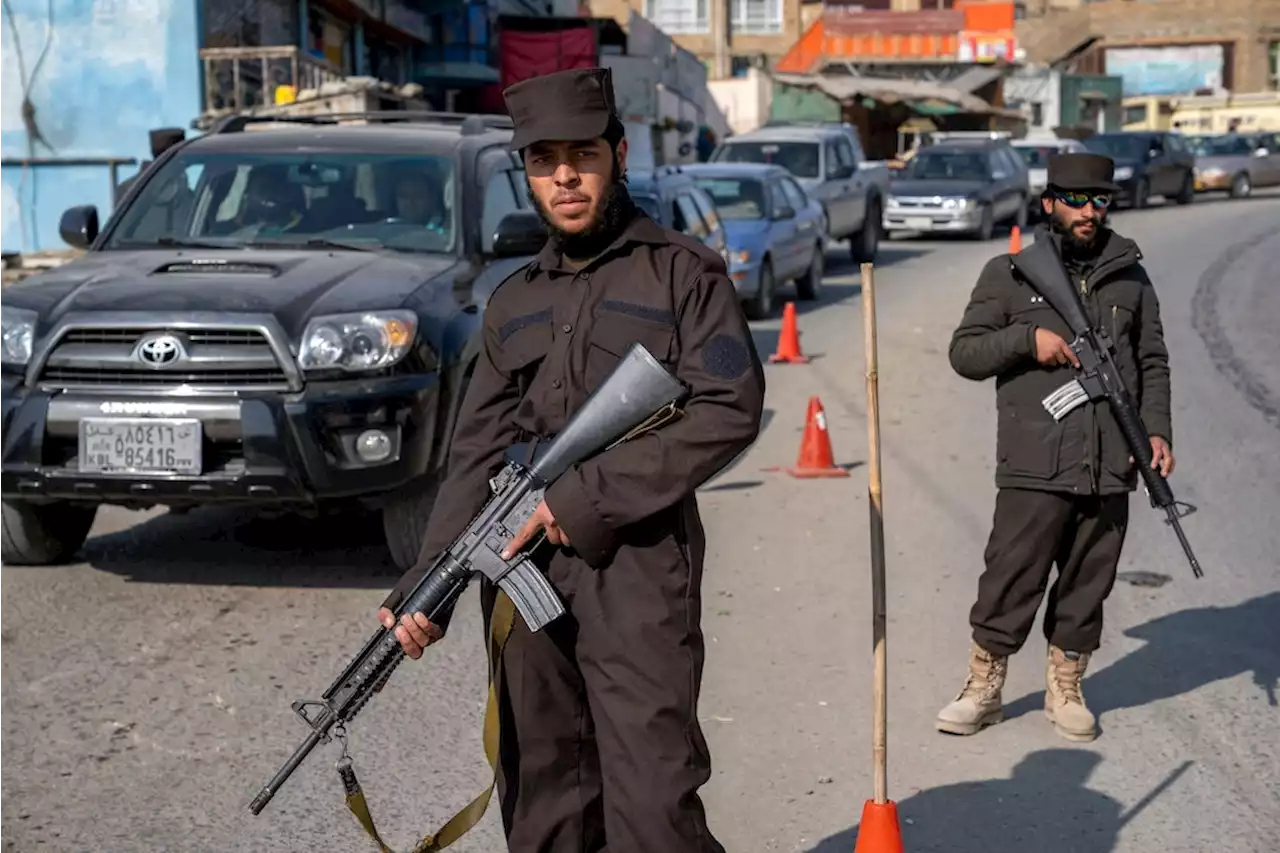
point(147, 689)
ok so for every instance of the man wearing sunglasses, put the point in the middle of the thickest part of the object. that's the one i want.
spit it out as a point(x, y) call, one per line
point(1062, 486)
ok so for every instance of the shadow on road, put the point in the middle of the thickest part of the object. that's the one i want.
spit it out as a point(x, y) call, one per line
point(1045, 807)
point(1186, 651)
point(231, 547)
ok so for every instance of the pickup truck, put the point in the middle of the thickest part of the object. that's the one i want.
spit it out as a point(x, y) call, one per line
point(828, 162)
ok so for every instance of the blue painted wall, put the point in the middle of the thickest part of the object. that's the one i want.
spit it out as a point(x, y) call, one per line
point(112, 71)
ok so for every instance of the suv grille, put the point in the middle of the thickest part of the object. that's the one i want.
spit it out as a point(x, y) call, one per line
point(234, 359)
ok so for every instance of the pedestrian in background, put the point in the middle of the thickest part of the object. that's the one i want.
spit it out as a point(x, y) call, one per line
point(1063, 486)
point(600, 745)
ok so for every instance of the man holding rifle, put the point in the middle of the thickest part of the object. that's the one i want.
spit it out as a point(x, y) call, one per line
point(600, 742)
point(1063, 484)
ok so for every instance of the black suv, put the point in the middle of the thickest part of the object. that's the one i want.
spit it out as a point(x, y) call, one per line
point(279, 313)
point(672, 199)
point(1148, 163)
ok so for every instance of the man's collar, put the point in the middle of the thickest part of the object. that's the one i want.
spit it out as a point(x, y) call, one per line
point(641, 229)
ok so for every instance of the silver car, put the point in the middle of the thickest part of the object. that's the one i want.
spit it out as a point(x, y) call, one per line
point(1236, 162)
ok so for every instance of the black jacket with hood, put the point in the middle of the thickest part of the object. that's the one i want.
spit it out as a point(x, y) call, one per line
point(1085, 453)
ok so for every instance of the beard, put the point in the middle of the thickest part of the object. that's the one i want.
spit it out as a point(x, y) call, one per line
point(613, 212)
point(1073, 243)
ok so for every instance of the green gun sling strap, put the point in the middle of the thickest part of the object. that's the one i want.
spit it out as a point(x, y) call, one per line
point(501, 620)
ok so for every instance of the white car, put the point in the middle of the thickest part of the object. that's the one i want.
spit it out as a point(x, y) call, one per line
point(1035, 152)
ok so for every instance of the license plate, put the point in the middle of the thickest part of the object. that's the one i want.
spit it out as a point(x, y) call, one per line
point(919, 223)
point(140, 445)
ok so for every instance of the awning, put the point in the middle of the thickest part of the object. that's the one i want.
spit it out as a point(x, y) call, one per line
point(913, 93)
point(975, 78)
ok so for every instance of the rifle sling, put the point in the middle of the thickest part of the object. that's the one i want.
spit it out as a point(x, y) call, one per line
point(501, 620)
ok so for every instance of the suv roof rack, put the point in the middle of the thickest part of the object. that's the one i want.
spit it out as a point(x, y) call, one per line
point(469, 124)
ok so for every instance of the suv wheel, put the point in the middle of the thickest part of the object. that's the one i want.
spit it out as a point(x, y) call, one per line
point(1020, 218)
point(1187, 193)
point(864, 244)
point(987, 229)
point(1141, 194)
point(44, 534)
point(405, 516)
point(1241, 187)
point(809, 285)
point(760, 306)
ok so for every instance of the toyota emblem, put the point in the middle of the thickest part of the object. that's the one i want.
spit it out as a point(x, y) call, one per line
point(159, 350)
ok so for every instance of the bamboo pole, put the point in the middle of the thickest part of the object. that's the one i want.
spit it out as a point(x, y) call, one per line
point(880, 693)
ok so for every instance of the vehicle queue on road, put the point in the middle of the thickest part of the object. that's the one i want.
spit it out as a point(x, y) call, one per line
point(966, 184)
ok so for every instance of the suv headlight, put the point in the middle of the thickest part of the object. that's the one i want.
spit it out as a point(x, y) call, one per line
point(369, 340)
point(19, 332)
point(1123, 173)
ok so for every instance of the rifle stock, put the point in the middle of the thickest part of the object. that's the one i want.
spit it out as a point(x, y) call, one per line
point(639, 395)
point(1099, 379)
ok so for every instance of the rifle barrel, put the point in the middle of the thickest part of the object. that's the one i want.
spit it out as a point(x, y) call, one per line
point(1174, 521)
point(282, 775)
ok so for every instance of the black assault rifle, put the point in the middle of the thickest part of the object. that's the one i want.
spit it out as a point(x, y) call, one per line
point(1098, 379)
point(639, 395)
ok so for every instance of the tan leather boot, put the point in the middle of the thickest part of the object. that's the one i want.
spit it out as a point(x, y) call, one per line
point(1064, 698)
point(978, 704)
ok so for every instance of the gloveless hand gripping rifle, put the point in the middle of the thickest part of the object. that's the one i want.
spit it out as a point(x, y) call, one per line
point(1099, 379)
point(638, 396)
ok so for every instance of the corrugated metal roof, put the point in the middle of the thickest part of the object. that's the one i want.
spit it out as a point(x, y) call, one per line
point(887, 90)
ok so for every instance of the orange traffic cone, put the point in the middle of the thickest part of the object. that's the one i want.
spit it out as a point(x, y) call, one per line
point(1015, 240)
point(879, 832)
point(789, 339)
point(816, 459)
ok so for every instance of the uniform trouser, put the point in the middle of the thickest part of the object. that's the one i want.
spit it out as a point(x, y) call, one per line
point(1031, 532)
point(600, 746)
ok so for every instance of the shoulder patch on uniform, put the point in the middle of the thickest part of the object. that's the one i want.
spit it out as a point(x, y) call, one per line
point(515, 324)
point(725, 356)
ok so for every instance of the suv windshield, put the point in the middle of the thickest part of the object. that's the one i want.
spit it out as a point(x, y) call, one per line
point(1118, 146)
point(361, 200)
point(799, 158)
point(948, 166)
point(735, 198)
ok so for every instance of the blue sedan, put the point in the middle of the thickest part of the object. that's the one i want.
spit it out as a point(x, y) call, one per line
point(776, 233)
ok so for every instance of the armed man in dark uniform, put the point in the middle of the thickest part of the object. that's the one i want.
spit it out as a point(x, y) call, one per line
point(600, 741)
point(1063, 486)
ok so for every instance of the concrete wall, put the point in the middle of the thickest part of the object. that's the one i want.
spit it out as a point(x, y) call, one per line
point(113, 70)
point(1247, 25)
point(1036, 86)
point(744, 101)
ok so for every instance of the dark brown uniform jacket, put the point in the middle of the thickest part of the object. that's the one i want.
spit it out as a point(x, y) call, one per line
point(1086, 452)
point(551, 336)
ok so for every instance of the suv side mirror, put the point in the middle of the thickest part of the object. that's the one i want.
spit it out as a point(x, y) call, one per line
point(1154, 153)
point(784, 211)
point(79, 226)
point(520, 232)
point(839, 170)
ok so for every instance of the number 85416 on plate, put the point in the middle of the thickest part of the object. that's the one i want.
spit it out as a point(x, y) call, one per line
point(140, 446)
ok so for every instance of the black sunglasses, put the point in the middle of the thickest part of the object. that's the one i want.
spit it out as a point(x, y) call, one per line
point(1077, 200)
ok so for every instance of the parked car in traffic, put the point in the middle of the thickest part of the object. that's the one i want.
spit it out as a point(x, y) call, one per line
point(1035, 152)
point(775, 231)
point(828, 162)
point(959, 187)
point(1236, 162)
point(280, 319)
point(1148, 163)
point(672, 199)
